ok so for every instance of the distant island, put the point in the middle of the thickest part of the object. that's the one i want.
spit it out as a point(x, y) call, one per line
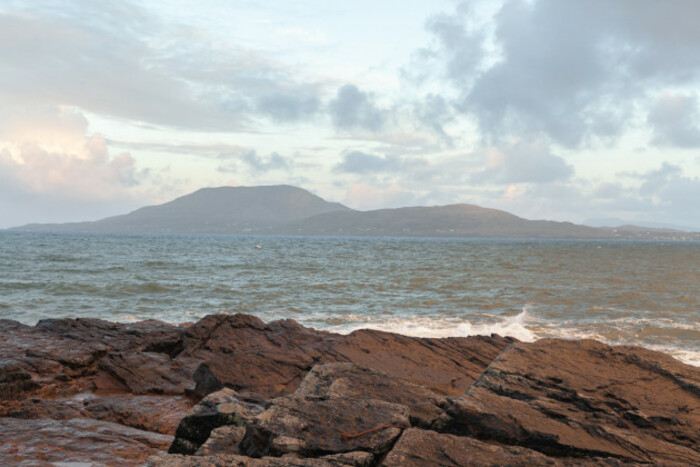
point(288, 210)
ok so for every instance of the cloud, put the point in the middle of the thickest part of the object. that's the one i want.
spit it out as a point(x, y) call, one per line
point(565, 70)
point(435, 112)
point(120, 61)
point(352, 109)
point(255, 163)
point(47, 150)
point(290, 106)
point(522, 162)
point(675, 121)
point(358, 162)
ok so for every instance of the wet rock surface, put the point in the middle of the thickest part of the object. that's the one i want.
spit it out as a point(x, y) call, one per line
point(232, 390)
point(81, 441)
point(585, 399)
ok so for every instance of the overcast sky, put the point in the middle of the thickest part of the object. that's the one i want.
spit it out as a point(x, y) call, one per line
point(565, 110)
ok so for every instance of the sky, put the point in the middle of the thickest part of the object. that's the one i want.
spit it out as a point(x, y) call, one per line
point(568, 111)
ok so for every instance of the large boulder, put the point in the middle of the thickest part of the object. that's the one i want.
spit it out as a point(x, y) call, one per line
point(219, 409)
point(315, 426)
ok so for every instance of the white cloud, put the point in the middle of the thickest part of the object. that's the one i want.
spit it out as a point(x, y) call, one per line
point(47, 150)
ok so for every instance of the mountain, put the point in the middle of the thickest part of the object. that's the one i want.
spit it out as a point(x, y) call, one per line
point(616, 222)
point(211, 210)
point(459, 220)
point(287, 210)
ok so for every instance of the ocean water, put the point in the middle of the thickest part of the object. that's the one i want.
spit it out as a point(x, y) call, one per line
point(621, 292)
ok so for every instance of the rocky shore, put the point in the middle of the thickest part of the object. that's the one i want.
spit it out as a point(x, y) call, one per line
point(232, 390)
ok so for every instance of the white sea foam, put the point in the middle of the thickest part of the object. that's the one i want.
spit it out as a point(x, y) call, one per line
point(435, 326)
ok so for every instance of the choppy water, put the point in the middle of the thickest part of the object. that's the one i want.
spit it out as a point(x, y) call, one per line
point(642, 293)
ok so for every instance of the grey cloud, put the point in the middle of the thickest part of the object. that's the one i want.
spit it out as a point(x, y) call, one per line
point(362, 163)
point(289, 107)
point(117, 60)
point(523, 163)
point(352, 109)
point(565, 65)
point(656, 181)
point(254, 162)
point(434, 112)
point(676, 121)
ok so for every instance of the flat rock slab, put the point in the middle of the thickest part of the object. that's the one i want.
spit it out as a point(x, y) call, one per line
point(585, 399)
point(423, 448)
point(160, 414)
point(37, 442)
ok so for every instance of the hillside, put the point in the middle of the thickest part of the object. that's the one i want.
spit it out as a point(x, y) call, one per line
point(459, 220)
point(287, 210)
point(211, 210)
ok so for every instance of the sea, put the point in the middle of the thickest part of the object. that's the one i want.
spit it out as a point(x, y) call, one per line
point(644, 293)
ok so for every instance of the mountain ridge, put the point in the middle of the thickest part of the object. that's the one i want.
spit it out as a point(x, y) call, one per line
point(289, 210)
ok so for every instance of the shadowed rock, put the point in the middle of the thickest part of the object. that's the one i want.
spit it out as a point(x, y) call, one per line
point(220, 409)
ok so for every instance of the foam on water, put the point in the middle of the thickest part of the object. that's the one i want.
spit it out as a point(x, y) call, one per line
point(437, 326)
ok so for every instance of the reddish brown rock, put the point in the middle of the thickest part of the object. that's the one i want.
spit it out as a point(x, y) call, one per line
point(585, 399)
point(422, 448)
point(335, 380)
point(312, 427)
point(573, 402)
point(351, 459)
point(243, 353)
point(80, 441)
point(160, 414)
point(149, 372)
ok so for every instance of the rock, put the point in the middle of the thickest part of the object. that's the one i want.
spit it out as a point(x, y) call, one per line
point(585, 399)
point(92, 391)
point(216, 410)
point(311, 426)
point(232, 460)
point(337, 380)
point(418, 448)
point(222, 440)
point(32, 442)
point(59, 357)
point(160, 414)
point(149, 372)
point(245, 354)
